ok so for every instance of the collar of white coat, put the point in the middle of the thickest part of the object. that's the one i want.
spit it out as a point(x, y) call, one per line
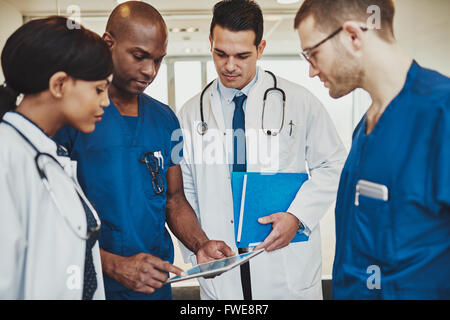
point(228, 94)
point(30, 130)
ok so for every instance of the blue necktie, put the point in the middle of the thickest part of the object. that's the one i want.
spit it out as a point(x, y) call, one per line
point(239, 155)
point(240, 165)
point(90, 276)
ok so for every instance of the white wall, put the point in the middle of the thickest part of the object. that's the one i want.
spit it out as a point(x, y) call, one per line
point(423, 29)
point(10, 20)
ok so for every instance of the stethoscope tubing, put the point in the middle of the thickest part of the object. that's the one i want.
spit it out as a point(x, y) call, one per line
point(203, 126)
point(47, 186)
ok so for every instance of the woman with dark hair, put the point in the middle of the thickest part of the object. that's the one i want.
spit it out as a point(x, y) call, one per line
point(48, 229)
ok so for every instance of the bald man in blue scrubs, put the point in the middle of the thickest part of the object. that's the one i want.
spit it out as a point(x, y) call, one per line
point(393, 204)
point(129, 166)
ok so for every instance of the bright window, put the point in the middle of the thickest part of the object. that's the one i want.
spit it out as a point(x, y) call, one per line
point(158, 88)
point(188, 81)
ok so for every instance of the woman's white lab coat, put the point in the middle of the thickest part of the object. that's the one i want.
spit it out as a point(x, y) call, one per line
point(40, 255)
point(309, 145)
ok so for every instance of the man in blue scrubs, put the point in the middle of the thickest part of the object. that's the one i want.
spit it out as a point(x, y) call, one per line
point(129, 167)
point(393, 204)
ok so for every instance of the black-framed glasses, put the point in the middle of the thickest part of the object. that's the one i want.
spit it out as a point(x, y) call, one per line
point(306, 53)
point(152, 163)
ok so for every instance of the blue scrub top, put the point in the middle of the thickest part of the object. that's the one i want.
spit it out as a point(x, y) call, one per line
point(408, 236)
point(120, 187)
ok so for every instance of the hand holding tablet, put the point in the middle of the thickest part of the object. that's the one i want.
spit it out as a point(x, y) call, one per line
point(216, 267)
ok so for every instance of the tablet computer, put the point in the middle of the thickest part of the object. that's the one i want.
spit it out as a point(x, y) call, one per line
point(215, 267)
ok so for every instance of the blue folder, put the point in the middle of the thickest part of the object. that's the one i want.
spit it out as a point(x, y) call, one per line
point(263, 195)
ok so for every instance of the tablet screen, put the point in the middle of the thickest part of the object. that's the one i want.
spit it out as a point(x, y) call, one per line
point(214, 265)
point(217, 266)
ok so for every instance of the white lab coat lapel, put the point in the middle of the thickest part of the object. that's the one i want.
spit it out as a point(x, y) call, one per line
point(253, 107)
point(215, 105)
point(69, 205)
point(214, 138)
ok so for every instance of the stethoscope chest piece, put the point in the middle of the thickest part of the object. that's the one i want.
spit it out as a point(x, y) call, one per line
point(202, 128)
point(271, 133)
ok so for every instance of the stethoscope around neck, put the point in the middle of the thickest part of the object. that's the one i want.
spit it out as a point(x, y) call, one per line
point(202, 127)
point(43, 176)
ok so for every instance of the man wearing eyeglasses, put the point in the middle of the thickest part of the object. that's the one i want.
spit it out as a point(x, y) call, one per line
point(129, 166)
point(393, 204)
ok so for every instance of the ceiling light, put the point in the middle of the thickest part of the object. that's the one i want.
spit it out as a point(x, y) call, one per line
point(189, 29)
point(272, 17)
point(122, 1)
point(287, 1)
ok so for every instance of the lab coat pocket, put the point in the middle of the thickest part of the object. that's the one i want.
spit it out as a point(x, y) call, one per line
point(288, 148)
point(373, 232)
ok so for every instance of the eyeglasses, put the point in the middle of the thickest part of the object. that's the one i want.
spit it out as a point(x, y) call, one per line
point(306, 53)
point(152, 163)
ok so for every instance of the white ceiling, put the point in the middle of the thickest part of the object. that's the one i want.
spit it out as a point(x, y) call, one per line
point(278, 27)
point(422, 27)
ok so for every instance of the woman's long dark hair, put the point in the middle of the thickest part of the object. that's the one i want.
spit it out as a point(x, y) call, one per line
point(40, 48)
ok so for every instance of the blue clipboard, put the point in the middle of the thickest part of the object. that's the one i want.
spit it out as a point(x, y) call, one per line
point(257, 195)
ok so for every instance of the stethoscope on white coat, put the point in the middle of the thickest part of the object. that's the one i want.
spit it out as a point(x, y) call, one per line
point(202, 127)
point(43, 176)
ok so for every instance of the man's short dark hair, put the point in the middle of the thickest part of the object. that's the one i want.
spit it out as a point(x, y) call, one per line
point(239, 15)
point(331, 14)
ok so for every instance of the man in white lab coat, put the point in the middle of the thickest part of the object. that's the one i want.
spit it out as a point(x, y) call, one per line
point(300, 139)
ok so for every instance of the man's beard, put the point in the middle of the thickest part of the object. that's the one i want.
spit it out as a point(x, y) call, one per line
point(347, 75)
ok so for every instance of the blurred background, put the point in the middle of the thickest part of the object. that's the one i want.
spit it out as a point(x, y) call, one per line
point(421, 27)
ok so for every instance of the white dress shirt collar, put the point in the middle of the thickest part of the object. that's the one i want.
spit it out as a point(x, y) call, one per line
point(228, 94)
